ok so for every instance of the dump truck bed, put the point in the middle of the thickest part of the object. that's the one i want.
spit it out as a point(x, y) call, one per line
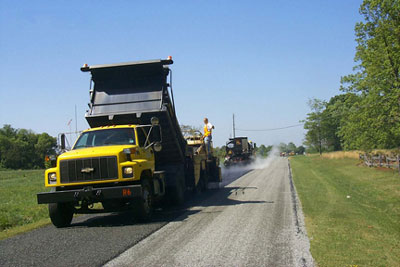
point(133, 93)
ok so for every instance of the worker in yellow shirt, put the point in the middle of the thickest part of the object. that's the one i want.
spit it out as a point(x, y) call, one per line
point(207, 137)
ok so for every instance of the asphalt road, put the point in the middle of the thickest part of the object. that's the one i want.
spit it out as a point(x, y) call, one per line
point(250, 222)
point(254, 220)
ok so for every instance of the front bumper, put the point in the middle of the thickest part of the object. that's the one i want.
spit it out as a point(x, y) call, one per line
point(90, 193)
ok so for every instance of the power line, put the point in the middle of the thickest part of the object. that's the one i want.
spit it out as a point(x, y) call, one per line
point(271, 129)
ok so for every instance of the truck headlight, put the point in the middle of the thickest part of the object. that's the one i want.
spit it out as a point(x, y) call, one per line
point(52, 178)
point(127, 172)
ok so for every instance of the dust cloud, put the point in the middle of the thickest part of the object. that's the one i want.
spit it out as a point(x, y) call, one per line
point(232, 173)
point(262, 163)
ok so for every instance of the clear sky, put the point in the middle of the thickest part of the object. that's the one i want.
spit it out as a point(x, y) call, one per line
point(261, 60)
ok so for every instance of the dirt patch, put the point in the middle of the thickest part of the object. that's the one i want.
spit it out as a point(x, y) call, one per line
point(385, 169)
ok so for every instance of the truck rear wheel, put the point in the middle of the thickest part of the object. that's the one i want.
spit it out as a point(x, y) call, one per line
point(178, 194)
point(200, 186)
point(61, 214)
point(143, 207)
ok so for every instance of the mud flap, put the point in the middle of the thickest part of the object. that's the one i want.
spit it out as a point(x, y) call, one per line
point(214, 171)
point(175, 183)
point(159, 183)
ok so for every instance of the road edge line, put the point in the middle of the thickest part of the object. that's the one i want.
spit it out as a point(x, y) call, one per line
point(304, 257)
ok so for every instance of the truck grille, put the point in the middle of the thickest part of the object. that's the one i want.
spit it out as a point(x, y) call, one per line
point(88, 169)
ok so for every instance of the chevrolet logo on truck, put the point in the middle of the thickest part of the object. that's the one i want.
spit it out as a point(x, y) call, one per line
point(87, 170)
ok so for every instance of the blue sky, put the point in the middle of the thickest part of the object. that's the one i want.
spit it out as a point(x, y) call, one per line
point(261, 60)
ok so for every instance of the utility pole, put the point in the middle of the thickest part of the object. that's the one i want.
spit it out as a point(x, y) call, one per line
point(76, 124)
point(233, 117)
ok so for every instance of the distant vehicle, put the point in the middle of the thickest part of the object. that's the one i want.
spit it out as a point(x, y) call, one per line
point(133, 155)
point(239, 150)
point(287, 154)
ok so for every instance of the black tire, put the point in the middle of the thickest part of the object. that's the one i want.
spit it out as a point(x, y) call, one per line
point(204, 183)
point(143, 207)
point(218, 174)
point(178, 194)
point(61, 214)
point(204, 175)
point(213, 172)
point(200, 185)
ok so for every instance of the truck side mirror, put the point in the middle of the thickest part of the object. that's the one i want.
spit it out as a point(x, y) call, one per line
point(255, 145)
point(62, 137)
point(157, 146)
point(154, 121)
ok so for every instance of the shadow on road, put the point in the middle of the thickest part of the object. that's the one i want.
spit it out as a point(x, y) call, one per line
point(125, 218)
point(232, 174)
point(229, 196)
point(225, 196)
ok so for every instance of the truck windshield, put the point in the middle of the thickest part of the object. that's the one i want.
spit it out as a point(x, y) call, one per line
point(106, 137)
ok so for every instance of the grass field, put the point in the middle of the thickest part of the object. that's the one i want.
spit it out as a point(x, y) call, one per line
point(19, 210)
point(352, 212)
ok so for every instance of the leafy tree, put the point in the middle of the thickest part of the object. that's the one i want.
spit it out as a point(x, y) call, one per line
point(315, 123)
point(8, 131)
point(367, 125)
point(219, 152)
point(23, 149)
point(44, 146)
point(374, 120)
point(291, 147)
point(300, 150)
point(332, 116)
point(282, 147)
point(190, 130)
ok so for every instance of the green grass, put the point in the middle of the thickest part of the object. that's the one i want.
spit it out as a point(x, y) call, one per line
point(19, 210)
point(363, 230)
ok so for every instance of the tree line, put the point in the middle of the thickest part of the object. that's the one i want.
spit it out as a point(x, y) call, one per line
point(291, 147)
point(366, 115)
point(24, 149)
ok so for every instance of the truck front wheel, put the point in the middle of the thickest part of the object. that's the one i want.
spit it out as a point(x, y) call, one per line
point(143, 207)
point(61, 214)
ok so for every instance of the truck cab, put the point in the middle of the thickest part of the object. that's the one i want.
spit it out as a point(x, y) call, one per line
point(107, 154)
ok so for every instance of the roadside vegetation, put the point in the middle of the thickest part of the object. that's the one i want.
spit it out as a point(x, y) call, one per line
point(352, 212)
point(19, 210)
point(24, 149)
point(365, 116)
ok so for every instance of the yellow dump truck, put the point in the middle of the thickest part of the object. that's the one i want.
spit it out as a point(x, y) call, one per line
point(133, 155)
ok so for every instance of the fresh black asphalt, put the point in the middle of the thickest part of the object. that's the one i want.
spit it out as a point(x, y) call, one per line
point(91, 240)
